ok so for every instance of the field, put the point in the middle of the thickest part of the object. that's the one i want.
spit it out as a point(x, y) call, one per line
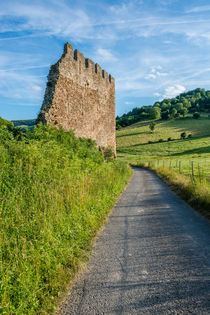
point(182, 163)
point(133, 141)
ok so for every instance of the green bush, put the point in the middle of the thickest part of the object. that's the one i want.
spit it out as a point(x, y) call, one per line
point(160, 140)
point(107, 153)
point(55, 192)
point(183, 135)
point(196, 115)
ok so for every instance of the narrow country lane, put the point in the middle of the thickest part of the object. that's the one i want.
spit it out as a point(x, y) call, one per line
point(152, 257)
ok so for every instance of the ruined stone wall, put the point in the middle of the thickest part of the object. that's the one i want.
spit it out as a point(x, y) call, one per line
point(80, 96)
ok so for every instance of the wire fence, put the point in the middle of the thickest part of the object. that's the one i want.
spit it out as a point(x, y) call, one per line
point(197, 169)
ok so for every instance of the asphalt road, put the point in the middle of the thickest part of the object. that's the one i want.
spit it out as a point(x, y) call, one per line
point(152, 257)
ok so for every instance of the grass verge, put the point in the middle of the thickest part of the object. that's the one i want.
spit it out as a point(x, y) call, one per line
point(55, 193)
point(191, 190)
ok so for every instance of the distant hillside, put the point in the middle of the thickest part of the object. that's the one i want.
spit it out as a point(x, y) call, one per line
point(196, 101)
point(138, 142)
point(24, 124)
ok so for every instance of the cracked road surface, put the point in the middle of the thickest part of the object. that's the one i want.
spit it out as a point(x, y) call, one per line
point(152, 257)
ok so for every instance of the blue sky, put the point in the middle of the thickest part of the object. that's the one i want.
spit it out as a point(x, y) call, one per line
point(153, 48)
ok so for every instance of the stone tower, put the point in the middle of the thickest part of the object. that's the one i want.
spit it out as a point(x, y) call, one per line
point(80, 96)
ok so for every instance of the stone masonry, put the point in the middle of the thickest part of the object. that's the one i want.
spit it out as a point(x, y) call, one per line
point(80, 96)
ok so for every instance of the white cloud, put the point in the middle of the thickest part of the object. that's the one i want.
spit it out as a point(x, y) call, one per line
point(36, 88)
point(151, 76)
point(130, 41)
point(155, 73)
point(161, 74)
point(173, 91)
point(105, 55)
point(199, 9)
point(51, 18)
point(155, 68)
point(77, 23)
point(157, 94)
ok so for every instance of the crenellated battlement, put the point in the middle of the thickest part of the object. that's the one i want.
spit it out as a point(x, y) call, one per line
point(80, 96)
point(85, 64)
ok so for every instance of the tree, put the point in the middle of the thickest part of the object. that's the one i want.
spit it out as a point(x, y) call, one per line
point(165, 114)
point(179, 107)
point(157, 104)
point(152, 126)
point(155, 112)
point(184, 111)
point(173, 112)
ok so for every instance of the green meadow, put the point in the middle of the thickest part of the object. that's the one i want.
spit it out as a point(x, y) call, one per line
point(138, 142)
point(183, 163)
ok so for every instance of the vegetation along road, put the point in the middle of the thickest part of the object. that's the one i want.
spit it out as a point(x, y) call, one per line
point(152, 257)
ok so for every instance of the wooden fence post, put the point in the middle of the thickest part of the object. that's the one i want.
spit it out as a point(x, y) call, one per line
point(192, 169)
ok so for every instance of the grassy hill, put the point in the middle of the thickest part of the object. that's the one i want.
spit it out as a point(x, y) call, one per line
point(183, 163)
point(134, 142)
point(195, 102)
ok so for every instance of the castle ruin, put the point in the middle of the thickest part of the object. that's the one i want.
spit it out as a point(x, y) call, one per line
point(80, 96)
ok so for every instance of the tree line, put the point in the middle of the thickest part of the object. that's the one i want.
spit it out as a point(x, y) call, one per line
point(194, 102)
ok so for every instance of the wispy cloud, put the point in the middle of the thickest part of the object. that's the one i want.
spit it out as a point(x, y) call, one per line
point(63, 20)
point(203, 8)
point(105, 55)
point(55, 18)
point(24, 68)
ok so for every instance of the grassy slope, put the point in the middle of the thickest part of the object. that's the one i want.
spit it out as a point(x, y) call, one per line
point(133, 147)
point(132, 142)
point(55, 193)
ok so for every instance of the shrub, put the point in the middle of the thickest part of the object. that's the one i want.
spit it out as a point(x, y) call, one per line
point(183, 135)
point(5, 123)
point(150, 142)
point(160, 140)
point(108, 153)
point(189, 136)
point(152, 126)
point(169, 139)
point(196, 115)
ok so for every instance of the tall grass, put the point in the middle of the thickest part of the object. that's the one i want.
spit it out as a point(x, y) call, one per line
point(55, 193)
